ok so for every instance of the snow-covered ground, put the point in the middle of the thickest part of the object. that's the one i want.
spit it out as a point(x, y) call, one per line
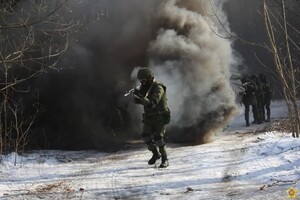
point(240, 163)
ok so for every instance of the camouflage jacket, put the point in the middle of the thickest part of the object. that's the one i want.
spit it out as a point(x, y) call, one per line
point(157, 95)
point(268, 91)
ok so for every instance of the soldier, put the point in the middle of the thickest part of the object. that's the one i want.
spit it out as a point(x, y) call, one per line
point(259, 94)
point(152, 95)
point(268, 92)
point(249, 98)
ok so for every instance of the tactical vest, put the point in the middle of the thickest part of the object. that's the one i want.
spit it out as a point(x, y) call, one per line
point(161, 109)
point(162, 105)
point(268, 90)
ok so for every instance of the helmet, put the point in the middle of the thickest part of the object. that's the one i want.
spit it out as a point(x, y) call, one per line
point(144, 73)
point(245, 78)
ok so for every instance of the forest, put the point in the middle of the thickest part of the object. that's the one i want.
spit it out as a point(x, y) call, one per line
point(66, 65)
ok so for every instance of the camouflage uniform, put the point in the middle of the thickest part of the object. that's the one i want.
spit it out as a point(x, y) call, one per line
point(249, 98)
point(268, 92)
point(152, 95)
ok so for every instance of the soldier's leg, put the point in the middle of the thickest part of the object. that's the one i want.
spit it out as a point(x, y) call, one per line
point(256, 113)
point(159, 135)
point(148, 139)
point(268, 103)
point(259, 111)
point(247, 110)
point(263, 113)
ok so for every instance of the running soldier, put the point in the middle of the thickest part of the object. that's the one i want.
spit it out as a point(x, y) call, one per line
point(152, 95)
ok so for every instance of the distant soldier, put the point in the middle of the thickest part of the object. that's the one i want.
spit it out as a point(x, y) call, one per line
point(259, 94)
point(268, 94)
point(152, 95)
point(249, 98)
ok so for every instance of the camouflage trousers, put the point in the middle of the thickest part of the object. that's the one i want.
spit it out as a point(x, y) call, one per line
point(248, 101)
point(266, 105)
point(154, 130)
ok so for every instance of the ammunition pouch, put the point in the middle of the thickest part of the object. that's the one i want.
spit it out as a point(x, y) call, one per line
point(166, 115)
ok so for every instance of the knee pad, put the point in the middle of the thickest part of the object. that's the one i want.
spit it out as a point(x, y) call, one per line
point(163, 151)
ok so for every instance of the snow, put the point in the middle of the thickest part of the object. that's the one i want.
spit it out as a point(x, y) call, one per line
point(240, 163)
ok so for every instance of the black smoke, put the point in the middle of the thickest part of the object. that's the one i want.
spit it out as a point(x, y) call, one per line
point(83, 105)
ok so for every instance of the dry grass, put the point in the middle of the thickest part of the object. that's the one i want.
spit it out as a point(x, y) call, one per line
point(280, 125)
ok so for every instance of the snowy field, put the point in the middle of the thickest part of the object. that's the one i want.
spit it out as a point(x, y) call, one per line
point(240, 163)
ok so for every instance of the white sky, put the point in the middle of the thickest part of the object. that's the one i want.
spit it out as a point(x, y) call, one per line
point(238, 164)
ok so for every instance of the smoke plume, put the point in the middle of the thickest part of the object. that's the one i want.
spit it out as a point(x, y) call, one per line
point(195, 63)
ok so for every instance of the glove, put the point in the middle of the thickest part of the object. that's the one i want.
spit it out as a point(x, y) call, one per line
point(145, 101)
point(137, 97)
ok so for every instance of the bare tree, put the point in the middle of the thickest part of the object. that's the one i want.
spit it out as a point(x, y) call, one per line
point(33, 36)
point(281, 48)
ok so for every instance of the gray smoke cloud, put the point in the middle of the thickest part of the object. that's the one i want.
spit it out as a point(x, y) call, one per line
point(196, 65)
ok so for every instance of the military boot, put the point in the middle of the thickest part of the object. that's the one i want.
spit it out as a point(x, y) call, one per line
point(164, 162)
point(164, 158)
point(154, 157)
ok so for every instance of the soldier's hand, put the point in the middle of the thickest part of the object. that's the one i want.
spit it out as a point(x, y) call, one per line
point(136, 98)
point(145, 101)
point(136, 93)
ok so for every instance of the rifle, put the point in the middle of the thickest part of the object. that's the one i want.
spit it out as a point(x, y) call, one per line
point(131, 91)
point(136, 94)
point(241, 85)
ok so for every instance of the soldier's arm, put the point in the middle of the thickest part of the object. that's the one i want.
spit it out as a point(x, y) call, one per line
point(155, 98)
point(137, 96)
point(137, 100)
point(157, 95)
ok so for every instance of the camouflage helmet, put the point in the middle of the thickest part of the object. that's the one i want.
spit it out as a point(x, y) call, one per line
point(144, 73)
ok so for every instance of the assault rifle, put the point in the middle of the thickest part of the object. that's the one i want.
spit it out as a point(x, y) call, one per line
point(241, 86)
point(131, 91)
